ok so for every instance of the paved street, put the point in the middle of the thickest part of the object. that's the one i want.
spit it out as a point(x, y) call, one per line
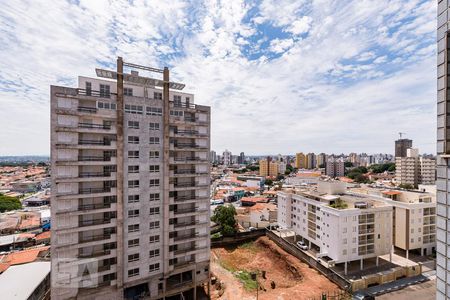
point(422, 291)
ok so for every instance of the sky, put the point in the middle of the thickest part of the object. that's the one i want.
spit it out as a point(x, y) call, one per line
point(281, 76)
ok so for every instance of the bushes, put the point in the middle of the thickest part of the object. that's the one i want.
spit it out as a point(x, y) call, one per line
point(224, 216)
point(8, 203)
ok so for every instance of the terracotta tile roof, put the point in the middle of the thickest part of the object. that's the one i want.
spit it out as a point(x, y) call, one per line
point(255, 199)
point(391, 192)
point(262, 206)
point(24, 256)
point(44, 235)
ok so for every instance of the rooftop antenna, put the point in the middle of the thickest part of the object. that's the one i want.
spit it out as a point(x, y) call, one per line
point(400, 134)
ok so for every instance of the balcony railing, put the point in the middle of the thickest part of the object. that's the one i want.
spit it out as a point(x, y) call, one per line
point(92, 93)
point(189, 159)
point(185, 224)
point(186, 131)
point(94, 190)
point(86, 109)
point(94, 206)
point(83, 223)
point(94, 126)
point(364, 231)
point(94, 238)
point(189, 236)
point(94, 158)
point(185, 210)
point(184, 263)
point(183, 105)
point(185, 198)
point(94, 254)
point(94, 142)
point(94, 174)
point(185, 145)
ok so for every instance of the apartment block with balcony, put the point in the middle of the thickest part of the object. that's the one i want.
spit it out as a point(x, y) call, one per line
point(130, 178)
point(342, 227)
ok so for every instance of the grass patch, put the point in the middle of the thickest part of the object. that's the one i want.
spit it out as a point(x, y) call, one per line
point(246, 279)
point(226, 266)
point(249, 246)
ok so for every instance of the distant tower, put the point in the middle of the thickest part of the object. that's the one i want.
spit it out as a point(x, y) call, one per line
point(401, 145)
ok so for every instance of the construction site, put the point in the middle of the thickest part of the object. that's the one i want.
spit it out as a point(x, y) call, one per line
point(262, 270)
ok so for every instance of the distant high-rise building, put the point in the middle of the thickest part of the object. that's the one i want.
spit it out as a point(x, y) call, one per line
point(401, 146)
point(311, 161)
point(130, 188)
point(321, 160)
point(241, 158)
point(213, 157)
point(300, 161)
point(415, 170)
point(227, 158)
point(335, 168)
point(268, 167)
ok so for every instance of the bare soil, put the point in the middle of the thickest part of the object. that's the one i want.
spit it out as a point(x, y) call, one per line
point(293, 279)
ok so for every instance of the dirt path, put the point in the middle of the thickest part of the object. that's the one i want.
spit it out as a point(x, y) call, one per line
point(293, 279)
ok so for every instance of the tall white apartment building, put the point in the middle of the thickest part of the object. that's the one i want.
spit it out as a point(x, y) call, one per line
point(415, 170)
point(335, 168)
point(343, 227)
point(130, 188)
point(443, 153)
point(227, 158)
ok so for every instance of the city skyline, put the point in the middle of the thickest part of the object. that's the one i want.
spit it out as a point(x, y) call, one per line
point(266, 70)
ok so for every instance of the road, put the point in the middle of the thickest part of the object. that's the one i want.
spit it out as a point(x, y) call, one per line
point(422, 291)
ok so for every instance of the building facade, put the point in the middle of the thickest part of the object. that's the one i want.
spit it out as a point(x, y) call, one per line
point(227, 158)
point(300, 161)
point(358, 229)
point(415, 170)
point(443, 154)
point(267, 167)
point(335, 168)
point(130, 179)
point(311, 161)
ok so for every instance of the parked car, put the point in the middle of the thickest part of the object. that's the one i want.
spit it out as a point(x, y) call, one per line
point(252, 228)
point(302, 245)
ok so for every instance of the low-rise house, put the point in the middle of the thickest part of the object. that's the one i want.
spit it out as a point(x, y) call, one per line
point(250, 201)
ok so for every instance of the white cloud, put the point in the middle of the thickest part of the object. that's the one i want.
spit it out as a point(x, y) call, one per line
point(322, 94)
point(279, 46)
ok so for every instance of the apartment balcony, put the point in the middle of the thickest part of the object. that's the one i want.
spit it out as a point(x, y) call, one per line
point(87, 177)
point(188, 134)
point(88, 161)
point(188, 160)
point(181, 105)
point(95, 128)
point(189, 211)
point(366, 241)
point(101, 190)
point(189, 238)
point(366, 231)
point(187, 147)
point(187, 186)
point(94, 222)
point(188, 251)
point(187, 120)
point(189, 225)
point(187, 173)
point(188, 199)
point(97, 254)
point(88, 208)
point(95, 238)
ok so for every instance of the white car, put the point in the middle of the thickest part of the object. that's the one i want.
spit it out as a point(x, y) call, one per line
point(302, 245)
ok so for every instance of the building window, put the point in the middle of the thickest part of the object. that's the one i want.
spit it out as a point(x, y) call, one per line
point(133, 140)
point(134, 109)
point(154, 197)
point(154, 253)
point(154, 211)
point(154, 111)
point(133, 257)
point(128, 91)
point(177, 100)
point(154, 140)
point(133, 154)
point(412, 240)
point(154, 267)
point(154, 126)
point(133, 213)
point(157, 96)
point(188, 100)
point(133, 198)
point(154, 239)
point(176, 113)
point(344, 252)
point(133, 228)
point(154, 168)
point(133, 272)
point(154, 225)
point(133, 124)
point(133, 243)
point(133, 183)
point(88, 88)
point(154, 182)
point(106, 105)
point(154, 154)
point(104, 91)
point(133, 169)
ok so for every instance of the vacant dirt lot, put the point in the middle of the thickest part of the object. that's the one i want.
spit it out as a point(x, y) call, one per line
point(293, 279)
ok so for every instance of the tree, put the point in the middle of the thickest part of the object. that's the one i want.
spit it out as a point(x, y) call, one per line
point(8, 203)
point(253, 168)
point(280, 177)
point(224, 216)
point(269, 182)
point(348, 164)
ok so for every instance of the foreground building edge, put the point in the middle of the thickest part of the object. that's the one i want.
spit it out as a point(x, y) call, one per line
point(130, 179)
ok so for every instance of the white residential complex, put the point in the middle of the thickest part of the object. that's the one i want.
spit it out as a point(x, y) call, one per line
point(227, 158)
point(130, 197)
point(415, 170)
point(341, 226)
point(443, 153)
point(414, 218)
